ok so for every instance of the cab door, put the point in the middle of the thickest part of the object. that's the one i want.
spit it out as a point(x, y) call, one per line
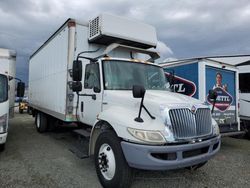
point(90, 99)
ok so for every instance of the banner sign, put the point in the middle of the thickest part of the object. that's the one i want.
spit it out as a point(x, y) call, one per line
point(185, 79)
point(223, 82)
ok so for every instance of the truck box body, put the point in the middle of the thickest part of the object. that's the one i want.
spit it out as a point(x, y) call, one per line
point(244, 78)
point(48, 75)
point(195, 78)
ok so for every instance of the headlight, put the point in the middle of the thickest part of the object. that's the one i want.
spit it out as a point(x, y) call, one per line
point(3, 123)
point(216, 130)
point(153, 137)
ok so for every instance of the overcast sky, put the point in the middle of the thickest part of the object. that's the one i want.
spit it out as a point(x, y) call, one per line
point(185, 28)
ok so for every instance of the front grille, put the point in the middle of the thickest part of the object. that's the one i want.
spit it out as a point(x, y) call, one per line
point(186, 124)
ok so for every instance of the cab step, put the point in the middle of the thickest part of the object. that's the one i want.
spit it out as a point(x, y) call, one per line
point(81, 145)
point(82, 132)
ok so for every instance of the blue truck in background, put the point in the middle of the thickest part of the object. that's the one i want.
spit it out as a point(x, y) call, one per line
point(195, 77)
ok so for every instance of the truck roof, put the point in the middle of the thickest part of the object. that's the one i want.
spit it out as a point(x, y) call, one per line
point(7, 53)
point(52, 36)
point(230, 60)
point(190, 60)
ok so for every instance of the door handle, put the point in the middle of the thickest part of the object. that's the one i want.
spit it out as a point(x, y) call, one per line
point(93, 96)
point(82, 106)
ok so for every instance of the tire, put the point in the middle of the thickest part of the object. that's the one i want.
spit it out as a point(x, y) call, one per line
point(246, 128)
point(248, 133)
point(108, 149)
point(41, 122)
point(2, 147)
point(51, 123)
point(20, 111)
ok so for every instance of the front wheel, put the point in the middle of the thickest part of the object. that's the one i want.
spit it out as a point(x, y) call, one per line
point(111, 166)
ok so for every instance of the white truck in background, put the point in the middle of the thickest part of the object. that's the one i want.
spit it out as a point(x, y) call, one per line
point(89, 74)
point(244, 86)
point(7, 91)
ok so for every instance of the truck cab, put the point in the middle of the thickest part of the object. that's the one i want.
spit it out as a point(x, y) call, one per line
point(155, 129)
point(4, 109)
point(7, 91)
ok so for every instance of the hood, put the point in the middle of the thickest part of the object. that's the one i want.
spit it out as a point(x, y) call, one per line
point(169, 98)
point(153, 100)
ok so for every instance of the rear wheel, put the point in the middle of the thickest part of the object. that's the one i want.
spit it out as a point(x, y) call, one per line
point(20, 111)
point(111, 166)
point(41, 122)
point(246, 127)
point(248, 133)
point(51, 123)
point(2, 146)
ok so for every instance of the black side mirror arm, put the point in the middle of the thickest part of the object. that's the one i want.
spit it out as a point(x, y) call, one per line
point(212, 111)
point(139, 92)
point(139, 119)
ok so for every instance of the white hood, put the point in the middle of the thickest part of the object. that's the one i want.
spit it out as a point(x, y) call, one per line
point(154, 100)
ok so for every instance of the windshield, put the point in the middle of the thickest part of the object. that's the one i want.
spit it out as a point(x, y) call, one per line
point(122, 75)
point(3, 88)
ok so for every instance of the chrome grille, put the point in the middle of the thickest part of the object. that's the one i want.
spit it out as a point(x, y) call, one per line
point(186, 124)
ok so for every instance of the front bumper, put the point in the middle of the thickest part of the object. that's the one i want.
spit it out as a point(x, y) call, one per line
point(169, 157)
point(3, 138)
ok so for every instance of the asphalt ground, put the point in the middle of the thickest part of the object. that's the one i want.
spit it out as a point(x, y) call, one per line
point(37, 160)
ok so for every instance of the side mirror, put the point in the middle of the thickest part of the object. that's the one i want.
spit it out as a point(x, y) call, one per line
point(212, 94)
point(77, 86)
point(77, 70)
point(138, 91)
point(20, 89)
point(97, 89)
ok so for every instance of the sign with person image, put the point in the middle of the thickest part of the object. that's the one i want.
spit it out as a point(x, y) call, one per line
point(223, 82)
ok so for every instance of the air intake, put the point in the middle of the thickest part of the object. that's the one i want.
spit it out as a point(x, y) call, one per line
point(94, 28)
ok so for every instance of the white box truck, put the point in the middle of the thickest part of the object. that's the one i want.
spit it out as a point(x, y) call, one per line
point(244, 88)
point(89, 74)
point(196, 76)
point(7, 91)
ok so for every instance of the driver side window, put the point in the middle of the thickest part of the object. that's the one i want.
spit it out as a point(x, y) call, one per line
point(92, 76)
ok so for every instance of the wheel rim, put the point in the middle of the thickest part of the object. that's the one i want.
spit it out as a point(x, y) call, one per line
point(106, 161)
point(38, 121)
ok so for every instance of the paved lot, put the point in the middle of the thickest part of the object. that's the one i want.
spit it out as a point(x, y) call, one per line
point(44, 160)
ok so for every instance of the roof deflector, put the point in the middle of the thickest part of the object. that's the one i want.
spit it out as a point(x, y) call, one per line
point(153, 54)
